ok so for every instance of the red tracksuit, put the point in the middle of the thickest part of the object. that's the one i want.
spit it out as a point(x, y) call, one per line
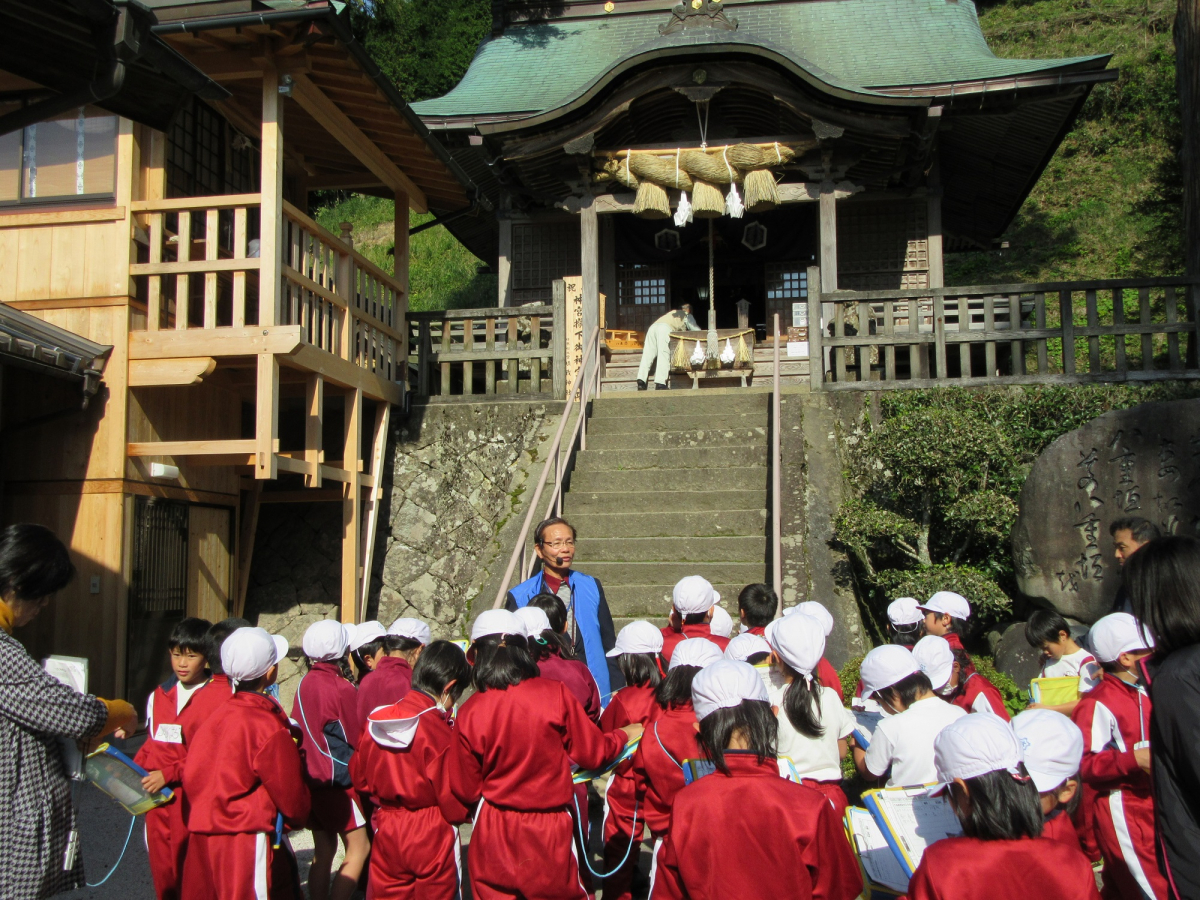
point(203, 704)
point(671, 638)
point(964, 868)
point(243, 768)
point(628, 705)
point(326, 706)
point(416, 849)
point(1114, 716)
point(514, 750)
point(976, 694)
point(753, 834)
point(1059, 827)
point(389, 682)
point(166, 838)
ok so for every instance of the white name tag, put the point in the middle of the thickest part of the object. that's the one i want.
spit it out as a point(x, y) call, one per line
point(169, 734)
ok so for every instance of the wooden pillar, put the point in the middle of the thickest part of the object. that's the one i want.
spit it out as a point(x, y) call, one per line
point(937, 276)
point(352, 506)
point(589, 253)
point(374, 495)
point(314, 409)
point(828, 214)
point(400, 226)
point(271, 216)
point(504, 263)
point(266, 419)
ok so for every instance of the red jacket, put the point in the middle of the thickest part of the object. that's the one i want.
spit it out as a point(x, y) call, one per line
point(658, 764)
point(203, 704)
point(964, 868)
point(671, 638)
point(243, 768)
point(753, 834)
point(578, 679)
point(1113, 716)
point(829, 676)
point(628, 705)
point(977, 694)
point(515, 746)
point(389, 682)
point(1059, 827)
point(164, 749)
point(415, 776)
point(326, 706)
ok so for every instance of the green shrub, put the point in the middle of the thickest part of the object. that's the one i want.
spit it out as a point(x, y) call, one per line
point(988, 602)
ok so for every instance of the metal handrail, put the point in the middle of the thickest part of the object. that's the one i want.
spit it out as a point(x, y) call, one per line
point(586, 388)
point(776, 493)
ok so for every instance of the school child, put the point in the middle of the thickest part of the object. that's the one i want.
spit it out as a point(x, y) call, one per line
point(722, 623)
point(636, 652)
point(743, 831)
point(902, 745)
point(904, 621)
point(243, 772)
point(757, 604)
point(326, 706)
point(1062, 657)
point(212, 696)
point(162, 755)
point(517, 736)
point(754, 650)
point(391, 675)
point(365, 643)
point(943, 665)
point(670, 739)
point(1052, 747)
point(1002, 854)
point(945, 613)
point(401, 763)
point(693, 600)
point(1114, 717)
point(813, 724)
point(828, 674)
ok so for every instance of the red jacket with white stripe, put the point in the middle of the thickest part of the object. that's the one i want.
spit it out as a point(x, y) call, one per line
point(326, 706)
point(164, 749)
point(243, 767)
point(658, 764)
point(977, 694)
point(1113, 716)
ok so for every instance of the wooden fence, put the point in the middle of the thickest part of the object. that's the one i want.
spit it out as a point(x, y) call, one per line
point(489, 352)
point(1119, 330)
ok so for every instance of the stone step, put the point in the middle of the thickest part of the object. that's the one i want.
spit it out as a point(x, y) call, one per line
point(708, 402)
point(733, 478)
point(713, 436)
point(687, 500)
point(674, 549)
point(668, 573)
point(643, 601)
point(671, 524)
point(647, 424)
point(677, 461)
point(656, 621)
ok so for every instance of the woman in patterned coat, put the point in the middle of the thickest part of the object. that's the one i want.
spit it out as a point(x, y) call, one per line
point(36, 813)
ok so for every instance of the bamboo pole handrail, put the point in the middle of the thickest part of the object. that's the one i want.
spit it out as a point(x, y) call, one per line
point(776, 492)
point(579, 386)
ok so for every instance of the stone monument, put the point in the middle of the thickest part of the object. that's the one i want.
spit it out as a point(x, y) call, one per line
point(1143, 461)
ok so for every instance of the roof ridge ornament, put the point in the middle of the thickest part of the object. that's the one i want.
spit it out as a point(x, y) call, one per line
point(698, 13)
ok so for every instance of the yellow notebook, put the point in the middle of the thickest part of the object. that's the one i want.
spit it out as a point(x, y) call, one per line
point(1054, 691)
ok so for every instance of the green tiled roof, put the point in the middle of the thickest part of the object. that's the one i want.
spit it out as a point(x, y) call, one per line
point(854, 45)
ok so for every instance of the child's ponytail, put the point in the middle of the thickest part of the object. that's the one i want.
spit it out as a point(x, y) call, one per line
point(802, 703)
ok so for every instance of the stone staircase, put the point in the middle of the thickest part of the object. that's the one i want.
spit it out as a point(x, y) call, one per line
point(672, 484)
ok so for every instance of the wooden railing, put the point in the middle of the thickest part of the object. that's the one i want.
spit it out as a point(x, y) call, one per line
point(1117, 330)
point(203, 272)
point(489, 351)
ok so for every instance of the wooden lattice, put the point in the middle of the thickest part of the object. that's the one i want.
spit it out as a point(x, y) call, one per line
point(883, 245)
point(542, 254)
point(643, 294)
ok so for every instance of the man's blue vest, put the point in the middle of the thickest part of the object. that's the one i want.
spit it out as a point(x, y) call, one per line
point(585, 596)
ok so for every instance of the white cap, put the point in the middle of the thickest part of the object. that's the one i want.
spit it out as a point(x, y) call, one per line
point(1051, 744)
point(534, 620)
point(948, 602)
point(746, 645)
point(638, 637)
point(694, 595)
point(325, 640)
point(818, 612)
point(365, 632)
point(281, 647)
point(414, 629)
point(496, 621)
point(721, 624)
point(971, 746)
point(695, 652)
point(1116, 634)
point(936, 659)
point(248, 654)
point(884, 666)
point(904, 611)
point(800, 641)
point(725, 684)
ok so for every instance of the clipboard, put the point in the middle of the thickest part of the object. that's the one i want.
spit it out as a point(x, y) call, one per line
point(865, 723)
point(883, 877)
point(1055, 691)
point(911, 820)
point(121, 778)
point(73, 672)
point(695, 769)
point(579, 776)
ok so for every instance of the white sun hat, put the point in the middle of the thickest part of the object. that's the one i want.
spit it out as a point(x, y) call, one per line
point(746, 645)
point(724, 685)
point(1051, 744)
point(972, 746)
point(694, 594)
point(818, 612)
point(365, 632)
point(247, 654)
point(948, 602)
point(695, 652)
point(534, 620)
point(638, 637)
point(496, 621)
point(722, 623)
point(413, 629)
point(904, 611)
point(800, 641)
point(325, 641)
point(884, 666)
point(936, 659)
point(1115, 634)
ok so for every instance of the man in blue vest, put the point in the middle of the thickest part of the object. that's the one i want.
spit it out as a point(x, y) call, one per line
point(589, 623)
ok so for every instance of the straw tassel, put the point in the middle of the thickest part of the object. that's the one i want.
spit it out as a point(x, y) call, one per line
point(743, 352)
point(679, 361)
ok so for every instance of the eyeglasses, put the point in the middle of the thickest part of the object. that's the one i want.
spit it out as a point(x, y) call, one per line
point(559, 545)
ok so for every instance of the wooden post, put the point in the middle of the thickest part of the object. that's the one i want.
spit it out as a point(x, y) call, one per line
point(400, 258)
point(828, 223)
point(589, 247)
point(504, 263)
point(937, 276)
point(1067, 318)
point(266, 425)
point(816, 355)
point(314, 405)
point(352, 506)
point(271, 218)
point(375, 494)
point(559, 340)
point(424, 353)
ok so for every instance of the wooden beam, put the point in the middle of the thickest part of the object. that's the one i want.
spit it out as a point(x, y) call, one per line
point(352, 508)
point(345, 182)
point(382, 417)
point(504, 262)
point(828, 229)
point(314, 406)
point(183, 370)
point(271, 181)
point(340, 125)
point(248, 526)
point(187, 448)
point(344, 373)
point(266, 425)
point(219, 342)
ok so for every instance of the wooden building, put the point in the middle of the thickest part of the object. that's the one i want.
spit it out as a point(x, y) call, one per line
point(254, 355)
point(910, 139)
